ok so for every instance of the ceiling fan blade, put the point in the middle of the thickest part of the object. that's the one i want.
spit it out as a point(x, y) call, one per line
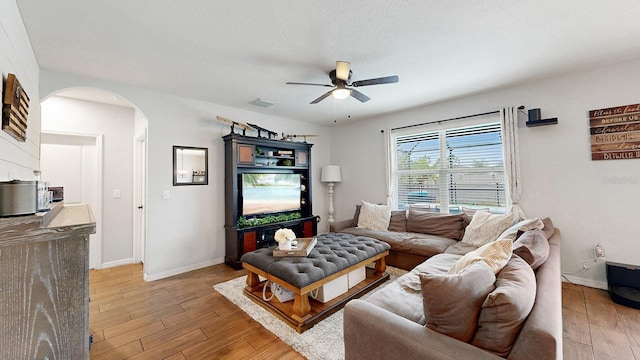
point(377, 81)
point(324, 96)
point(301, 83)
point(360, 96)
point(342, 70)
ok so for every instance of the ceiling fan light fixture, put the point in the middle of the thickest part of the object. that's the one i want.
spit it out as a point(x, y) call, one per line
point(341, 93)
point(342, 70)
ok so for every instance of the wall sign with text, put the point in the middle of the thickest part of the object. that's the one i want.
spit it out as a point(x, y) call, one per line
point(615, 133)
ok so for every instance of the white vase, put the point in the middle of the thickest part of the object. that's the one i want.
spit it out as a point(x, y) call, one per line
point(285, 245)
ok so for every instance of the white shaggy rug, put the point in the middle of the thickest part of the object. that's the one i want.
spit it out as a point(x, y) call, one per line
point(321, 342)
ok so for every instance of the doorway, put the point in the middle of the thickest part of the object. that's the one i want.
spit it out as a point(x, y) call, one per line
point(76, 161)
point(78, 114)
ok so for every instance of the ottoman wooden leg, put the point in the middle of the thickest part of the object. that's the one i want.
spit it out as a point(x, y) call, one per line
point(380, 266)
point(301, 307)
point(253, 282)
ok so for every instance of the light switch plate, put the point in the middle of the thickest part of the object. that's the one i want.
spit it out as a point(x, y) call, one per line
point(116, 194)
point(166, 194)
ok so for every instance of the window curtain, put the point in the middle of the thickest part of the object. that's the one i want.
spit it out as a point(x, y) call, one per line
point(510, 144)
point(388, 163)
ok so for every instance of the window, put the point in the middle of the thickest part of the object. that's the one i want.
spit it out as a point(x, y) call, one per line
point(450, 169)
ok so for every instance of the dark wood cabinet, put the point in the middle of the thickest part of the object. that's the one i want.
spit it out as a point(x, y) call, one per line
point(261, 156)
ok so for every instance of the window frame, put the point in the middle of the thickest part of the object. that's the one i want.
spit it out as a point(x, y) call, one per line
point(445, 203)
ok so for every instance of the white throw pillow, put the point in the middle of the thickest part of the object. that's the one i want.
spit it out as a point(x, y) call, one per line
point(485, 228)
point(496, 254)
point(523, 225)
point(374, 217)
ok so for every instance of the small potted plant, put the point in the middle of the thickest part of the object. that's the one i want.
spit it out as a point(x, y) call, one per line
point(284, 237)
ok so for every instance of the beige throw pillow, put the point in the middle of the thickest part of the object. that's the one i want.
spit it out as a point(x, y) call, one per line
point(452, 302)
point(506, 308)
point(485, 228)
point(374, 217)
point(496, 254)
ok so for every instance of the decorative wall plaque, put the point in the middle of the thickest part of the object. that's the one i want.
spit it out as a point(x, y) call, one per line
point(15, 109)
point(615, 133)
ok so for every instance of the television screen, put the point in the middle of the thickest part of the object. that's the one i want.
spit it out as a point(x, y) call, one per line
point(270, 193)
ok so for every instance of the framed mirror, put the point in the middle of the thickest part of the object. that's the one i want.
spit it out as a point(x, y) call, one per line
point(190, 165)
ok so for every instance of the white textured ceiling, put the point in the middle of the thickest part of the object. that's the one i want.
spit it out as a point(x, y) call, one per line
point(231, 52)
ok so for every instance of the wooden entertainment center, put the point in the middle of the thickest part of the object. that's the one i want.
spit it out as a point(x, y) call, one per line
point(246, 156)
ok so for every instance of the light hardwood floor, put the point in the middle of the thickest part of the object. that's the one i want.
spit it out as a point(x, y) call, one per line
point(182, 317)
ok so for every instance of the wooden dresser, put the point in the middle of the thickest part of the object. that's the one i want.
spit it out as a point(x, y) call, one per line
point(44, 284)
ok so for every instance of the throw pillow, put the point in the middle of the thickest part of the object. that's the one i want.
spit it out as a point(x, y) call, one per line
point(398, 221)
point(496, 254)
point(521, 226)
point(458, 318)
point(374, 217)
point(485, 228)
point(548, 228)
point(532, 247)
point(424, 221)
point(506, 308)
point(356, 216)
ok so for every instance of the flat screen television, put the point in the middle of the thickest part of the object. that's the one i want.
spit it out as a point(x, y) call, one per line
point(267, 193)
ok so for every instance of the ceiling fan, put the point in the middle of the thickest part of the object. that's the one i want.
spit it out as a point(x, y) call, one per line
point(343, 87)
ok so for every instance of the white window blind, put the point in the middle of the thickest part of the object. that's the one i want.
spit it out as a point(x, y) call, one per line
point(450, 169)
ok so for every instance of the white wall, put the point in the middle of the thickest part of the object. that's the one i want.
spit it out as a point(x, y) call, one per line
point(116, 125)
point(186, 231)
point(590, 201)
point(19, 159)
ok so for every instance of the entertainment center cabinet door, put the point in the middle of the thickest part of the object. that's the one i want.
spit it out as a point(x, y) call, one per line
point(249, 241)
point(309, 228)
point(245, 154)
point(302, 158)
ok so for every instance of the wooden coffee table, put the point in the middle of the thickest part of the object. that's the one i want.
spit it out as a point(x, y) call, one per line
point(304, 312)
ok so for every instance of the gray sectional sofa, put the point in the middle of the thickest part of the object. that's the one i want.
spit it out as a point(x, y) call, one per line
point(391, 323)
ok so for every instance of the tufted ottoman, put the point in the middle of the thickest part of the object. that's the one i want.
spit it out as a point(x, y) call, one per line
point(335, 255)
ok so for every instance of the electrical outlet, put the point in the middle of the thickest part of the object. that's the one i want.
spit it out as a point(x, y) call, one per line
point(599, 251)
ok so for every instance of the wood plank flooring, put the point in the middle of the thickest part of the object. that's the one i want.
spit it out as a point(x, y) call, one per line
point(182, 317)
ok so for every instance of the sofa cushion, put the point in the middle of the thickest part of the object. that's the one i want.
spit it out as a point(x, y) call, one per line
point(374, 217)
point(398, 221)
point(427, 222)
point(452, 302)
point(496, 254)
point(532, 247)
point(397, 240)
point(506, 308)
point(427, 245)
point(485, 227)
point(521, 226)
point(407, 287)
point(460, 248)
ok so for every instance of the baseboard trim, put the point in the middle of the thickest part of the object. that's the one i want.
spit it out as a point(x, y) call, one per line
point(116, 263)
point(586, 282)
point(166, 274)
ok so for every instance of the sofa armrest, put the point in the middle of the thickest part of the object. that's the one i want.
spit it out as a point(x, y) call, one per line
point(371, 332)
point(339, 225)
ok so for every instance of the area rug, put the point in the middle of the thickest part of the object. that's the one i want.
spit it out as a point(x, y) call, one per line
point(322, 342)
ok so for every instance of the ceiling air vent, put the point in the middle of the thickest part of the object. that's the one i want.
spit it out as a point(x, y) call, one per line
point(261, 103)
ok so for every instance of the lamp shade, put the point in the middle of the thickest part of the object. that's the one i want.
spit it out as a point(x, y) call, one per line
point(330, 173)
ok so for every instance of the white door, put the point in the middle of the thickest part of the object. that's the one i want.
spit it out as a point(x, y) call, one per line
point(73, 161)
point(139, 235)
